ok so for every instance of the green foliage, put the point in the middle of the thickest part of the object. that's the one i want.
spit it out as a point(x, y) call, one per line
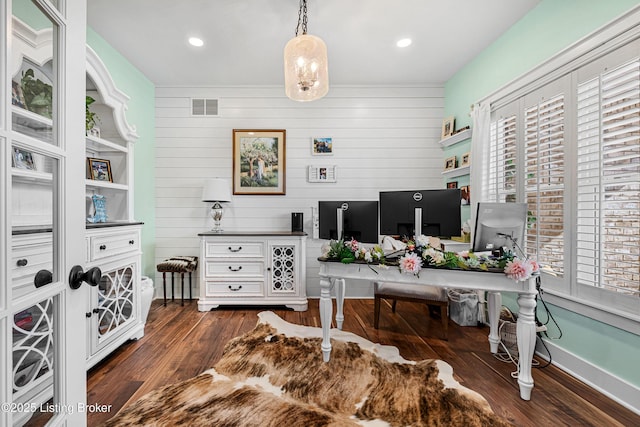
point(38, 95)
point(91, 117)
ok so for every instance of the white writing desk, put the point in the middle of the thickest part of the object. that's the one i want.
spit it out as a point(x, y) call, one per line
point(333, 273)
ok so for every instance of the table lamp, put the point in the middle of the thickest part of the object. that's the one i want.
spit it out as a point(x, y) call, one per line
point(216, 190)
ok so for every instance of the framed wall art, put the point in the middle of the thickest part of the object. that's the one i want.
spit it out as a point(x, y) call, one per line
point(322, 146)
point(259, 161)
point(450, 163)
point(465, 159)
point(447, 127)
point(23, 159)
point(99, 169)
point(452, 184)
point(322, 174)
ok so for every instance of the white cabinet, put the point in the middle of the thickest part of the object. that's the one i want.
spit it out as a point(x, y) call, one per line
point(252, 269)
point(113, 308)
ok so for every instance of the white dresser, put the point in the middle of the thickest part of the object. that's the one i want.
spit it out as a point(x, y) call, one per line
point(259, 268)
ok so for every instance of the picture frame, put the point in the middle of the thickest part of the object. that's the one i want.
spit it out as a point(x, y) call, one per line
point(465, 160)
point(99, 169)
point(450, 163)
point(452, 184)
point(322, 173)
point(259, 161)
point(23, 159)
point(17, 95)
point(447, 127)
point(465, 195)
point(322, 146)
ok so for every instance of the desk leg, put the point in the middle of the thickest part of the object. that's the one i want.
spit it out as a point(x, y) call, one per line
point(494, 304)
point(340, 289)
point(526, 335)
point(326, 312)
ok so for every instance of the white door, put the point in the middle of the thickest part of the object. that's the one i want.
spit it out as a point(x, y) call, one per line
point(42, 212)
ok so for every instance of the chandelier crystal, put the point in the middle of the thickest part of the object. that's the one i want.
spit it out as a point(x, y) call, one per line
point(306, 71)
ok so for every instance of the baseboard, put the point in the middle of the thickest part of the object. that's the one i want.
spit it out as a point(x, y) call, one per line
point(611, 386)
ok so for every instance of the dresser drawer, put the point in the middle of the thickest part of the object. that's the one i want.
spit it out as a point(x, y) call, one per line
point(234, 249)
point(232, 269)
point(114, 244)
point(239, 289)
point(30, 254)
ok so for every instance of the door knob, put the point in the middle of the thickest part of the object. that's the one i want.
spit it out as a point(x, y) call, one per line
point(78, 275)
point(43, 277)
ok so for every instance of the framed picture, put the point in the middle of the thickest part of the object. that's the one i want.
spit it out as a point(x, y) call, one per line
point(17, 96)
point(465, 195)
point(23, 159)
point(465, 159)
point(99, 169)
point(452, 184)
point(259, 161)
point(322, 146)
point(322, 173)
point(450, 163)
point(447, 127)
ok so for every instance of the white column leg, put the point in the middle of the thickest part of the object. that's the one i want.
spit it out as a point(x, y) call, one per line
point(494, 303)
point(326, 312)
point(340, 290)
point(526, 334)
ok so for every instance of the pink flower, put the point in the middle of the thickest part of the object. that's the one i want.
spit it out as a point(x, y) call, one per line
point(518, 269)
point(410, 263)
point(354, 245)
point(535, 267)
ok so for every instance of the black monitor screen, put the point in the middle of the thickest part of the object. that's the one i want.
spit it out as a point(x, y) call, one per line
point(440, 212)
point(499, 225)
point(360, 220)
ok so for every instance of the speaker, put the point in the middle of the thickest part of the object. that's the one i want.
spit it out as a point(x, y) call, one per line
point(296, 222)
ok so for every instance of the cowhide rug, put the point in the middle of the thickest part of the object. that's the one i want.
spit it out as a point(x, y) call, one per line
point(275, 376)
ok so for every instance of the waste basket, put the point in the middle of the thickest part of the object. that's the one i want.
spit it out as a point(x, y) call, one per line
point(463, 307)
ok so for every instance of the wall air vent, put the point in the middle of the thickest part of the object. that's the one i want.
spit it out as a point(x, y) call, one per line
point(204, 107)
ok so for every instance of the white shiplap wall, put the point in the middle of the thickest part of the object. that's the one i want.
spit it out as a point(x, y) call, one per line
point(384, 138)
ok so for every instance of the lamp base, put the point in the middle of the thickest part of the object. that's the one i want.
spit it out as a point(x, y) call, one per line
point(216, 214)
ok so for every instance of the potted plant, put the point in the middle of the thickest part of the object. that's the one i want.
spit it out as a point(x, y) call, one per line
point(90, 117)
point(38, 95)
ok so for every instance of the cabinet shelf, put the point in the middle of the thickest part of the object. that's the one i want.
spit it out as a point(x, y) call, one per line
point(454, 139)
point(98, 144)
point(104, 184)
point(452, 173)
point(32, 120)
point(26, 175)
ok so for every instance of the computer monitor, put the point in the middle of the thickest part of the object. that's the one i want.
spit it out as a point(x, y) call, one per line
point(359, 220)
point(436, 213)
point(500, 225)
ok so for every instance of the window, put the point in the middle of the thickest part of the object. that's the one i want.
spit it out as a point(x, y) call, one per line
point(570, 149)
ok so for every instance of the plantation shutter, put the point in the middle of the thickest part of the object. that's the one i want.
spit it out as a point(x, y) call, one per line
point(544, 167)
point(608, 184)
point(503, 158)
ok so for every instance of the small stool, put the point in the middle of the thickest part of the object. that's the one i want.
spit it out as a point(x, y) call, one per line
point(181, 265)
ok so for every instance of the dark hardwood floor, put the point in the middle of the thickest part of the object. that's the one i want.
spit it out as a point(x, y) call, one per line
point(181, 342)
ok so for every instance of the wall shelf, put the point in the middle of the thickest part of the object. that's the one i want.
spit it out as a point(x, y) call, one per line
point(454, 139)
point(105, 184)
point(452, 173)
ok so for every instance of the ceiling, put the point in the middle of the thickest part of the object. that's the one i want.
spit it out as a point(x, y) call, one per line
point(244, 39)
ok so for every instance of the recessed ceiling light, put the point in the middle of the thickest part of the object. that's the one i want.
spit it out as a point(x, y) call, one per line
point(194, 41)
point(403, 42)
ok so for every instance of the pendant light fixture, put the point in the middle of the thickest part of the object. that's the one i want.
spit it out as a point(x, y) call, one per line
point(306, 74)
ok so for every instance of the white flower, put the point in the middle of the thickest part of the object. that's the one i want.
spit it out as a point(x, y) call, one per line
point(422, 240)
point(368, 257)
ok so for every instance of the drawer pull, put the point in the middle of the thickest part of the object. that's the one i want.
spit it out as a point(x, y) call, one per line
point(235, 288)
point(102, 247)
point(22, 262)
point(132, 242)
point(235, 250)
point(235, 269)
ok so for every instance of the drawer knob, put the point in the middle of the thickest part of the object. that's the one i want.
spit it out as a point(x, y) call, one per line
point(22, 262)
point(235, 250)
point(235, 269)
point(235, 288)
point(131, 242)
point(88, 315)
point(102, 247)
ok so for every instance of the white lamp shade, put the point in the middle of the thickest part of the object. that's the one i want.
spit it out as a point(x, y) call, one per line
point(216, 190)
point(306, 69)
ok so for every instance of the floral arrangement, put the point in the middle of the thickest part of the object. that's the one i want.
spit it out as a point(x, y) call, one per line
point(421, 253)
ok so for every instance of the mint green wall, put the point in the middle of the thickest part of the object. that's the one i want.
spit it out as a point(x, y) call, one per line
point(141, 114)
point(549, 28)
